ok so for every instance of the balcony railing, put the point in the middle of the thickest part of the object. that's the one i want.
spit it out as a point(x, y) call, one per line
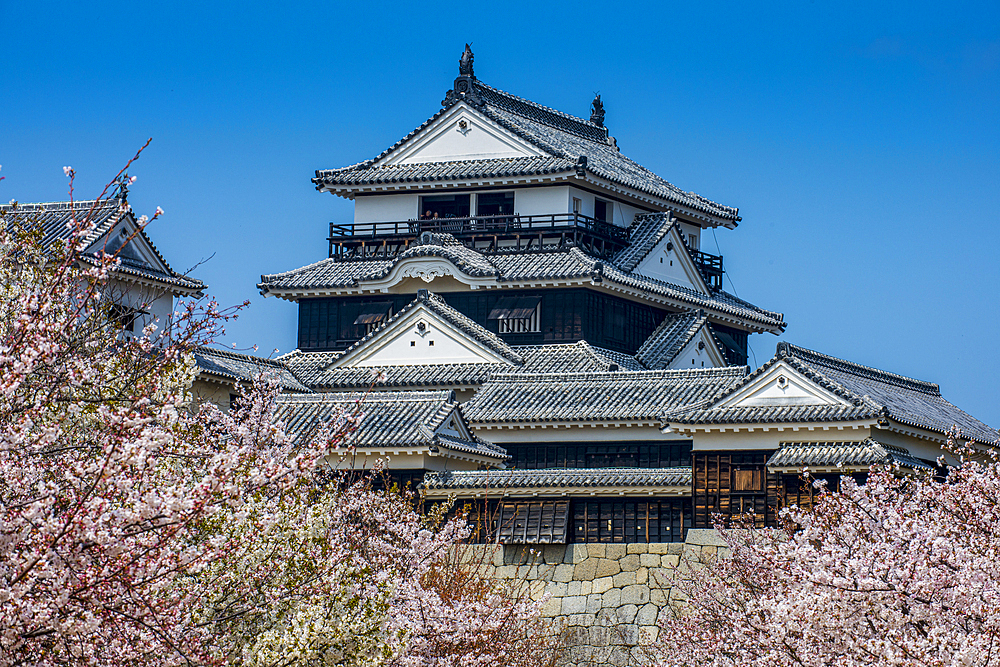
point(710, 267)
point(368, 238)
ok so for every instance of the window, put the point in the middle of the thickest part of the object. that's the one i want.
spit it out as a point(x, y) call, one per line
point(495, 203)
point(577, 205)
point(124, 316)
point(533, 522)
point(517, 314)
point(445, 206)
point(629, 521)
point(372, 315)
point(693, 241)
point(734, 484)
point(603, 210)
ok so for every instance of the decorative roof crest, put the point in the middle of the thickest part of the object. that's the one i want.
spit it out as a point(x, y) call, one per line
point(464, 88)
point(597, 111)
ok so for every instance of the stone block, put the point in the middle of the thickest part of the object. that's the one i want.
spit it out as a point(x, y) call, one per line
point(576, 553)
point(637, 548)
point(623, 579)
point(647, 615)
point(585, 620)
point(658, 547)
point(648, 634)
point(553, 554)
point(586, 587)
point(562, 573)
point(658, 596)
point(594, 604)
point(612, 598)
point(725, 552)
point(576, 604)
point(635, 595)
point(551, 607)
point(614, 551)
point(709, 551)
point(649, 560)
point(596, 550)
point(587, 570)
point(574, 587)
point(629, 563)
point(598, 636)
point(498, 552)
point(606, 568)
point(670, 561)
point(627, 612)
point(675, 548)
point(642, 575)
point(704, 537)
point(557, 590)
point(602, 584)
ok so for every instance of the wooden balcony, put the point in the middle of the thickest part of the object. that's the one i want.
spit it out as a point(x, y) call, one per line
point(710, 267)
point(482, 232)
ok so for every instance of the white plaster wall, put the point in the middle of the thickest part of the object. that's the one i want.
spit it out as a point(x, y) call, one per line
point(543, 201)
point(386, 208)
point(694, 230)
point(625, 214)
point(158, 304)
point(435, 345)
point(771, 438)
point(692, 357)
point(665, 265)
point(576, 434)
point(448, 141)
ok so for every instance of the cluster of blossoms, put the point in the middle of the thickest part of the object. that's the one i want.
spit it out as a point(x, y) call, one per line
point(136, 528)
point(899, 571)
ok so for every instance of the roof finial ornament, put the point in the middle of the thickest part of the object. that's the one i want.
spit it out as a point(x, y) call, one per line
point(597, 111)
point(465, 83)
point(465, 63)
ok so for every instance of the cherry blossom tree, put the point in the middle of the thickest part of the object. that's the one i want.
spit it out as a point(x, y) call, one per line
point(135, 529)
point(899, 571)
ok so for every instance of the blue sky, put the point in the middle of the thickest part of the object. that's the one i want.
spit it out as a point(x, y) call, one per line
point(861, 143)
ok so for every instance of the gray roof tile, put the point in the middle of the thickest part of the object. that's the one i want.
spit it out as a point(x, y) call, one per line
point(387, 419)
point(52, 219)
point(563, 137)
point(646, 231)
point(669, 338)
point(616, 396)
point(245, 367)
point(870, 393)
point(850, 455)
point(558, 478)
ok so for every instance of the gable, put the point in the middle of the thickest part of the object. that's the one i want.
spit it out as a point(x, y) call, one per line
point(136, 248)
point(419, 338)
point(670, 262)
point(455, 427)
point(701, 352)
point(461, 134)
point(781, 385)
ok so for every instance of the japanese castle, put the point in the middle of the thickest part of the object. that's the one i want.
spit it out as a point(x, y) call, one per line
point(530, 324)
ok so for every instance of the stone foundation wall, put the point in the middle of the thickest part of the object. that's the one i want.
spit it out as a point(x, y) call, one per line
point(609, 598)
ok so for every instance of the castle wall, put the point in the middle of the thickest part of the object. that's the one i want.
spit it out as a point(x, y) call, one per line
point(609, 598)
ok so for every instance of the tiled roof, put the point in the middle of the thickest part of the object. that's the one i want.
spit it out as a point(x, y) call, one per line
point(366, 173)
point(53, 221)
point(388, 419)
point(870, 393)
point(617, 396)
point(514, 266)
point(669, 338)
point(558, 478)
point(646, 231)
point(466, 325)
point(245, 367)
point(854, 455)
point(314, 368)
point(564, 138)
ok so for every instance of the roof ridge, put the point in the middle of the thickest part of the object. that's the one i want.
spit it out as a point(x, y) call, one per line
point(561, 115)
point(416, 396)
point(664, 373)
point(806, 355)
point(204, 349)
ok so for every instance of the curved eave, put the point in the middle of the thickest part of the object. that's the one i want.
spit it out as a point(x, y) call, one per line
point(556, 491)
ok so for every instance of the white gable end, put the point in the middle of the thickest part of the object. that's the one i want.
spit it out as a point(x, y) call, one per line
point(668, 261)
point(418, 339)
point(781, 385)
point(700, 352)
point(461, 134)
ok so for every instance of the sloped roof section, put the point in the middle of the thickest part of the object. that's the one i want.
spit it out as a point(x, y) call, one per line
point(614, 396)
point(647, 230)
point(387, 419)
point(466, 325)
point(869, 392)
point(245, 367)
point(53, 220)
point(669, 338)
point(565, 139)
point(511, 267)
point(559, 478)
point(862, 455)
